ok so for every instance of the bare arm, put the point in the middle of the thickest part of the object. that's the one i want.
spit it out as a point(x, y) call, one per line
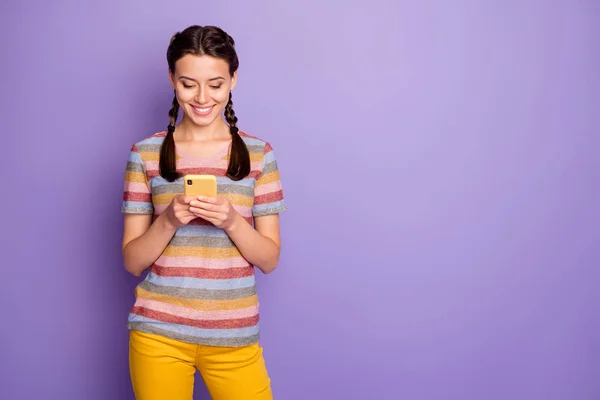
point(259, 245)
point(144, 241)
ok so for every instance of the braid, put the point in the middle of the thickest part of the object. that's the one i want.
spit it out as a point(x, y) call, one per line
point(239, 162)
point(174, 113)
point(167, 162)
point(230, 114)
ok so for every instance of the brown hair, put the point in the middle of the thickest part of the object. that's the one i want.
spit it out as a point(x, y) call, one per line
point(214, 42)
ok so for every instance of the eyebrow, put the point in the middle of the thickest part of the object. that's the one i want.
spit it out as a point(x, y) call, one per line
point(191, 79)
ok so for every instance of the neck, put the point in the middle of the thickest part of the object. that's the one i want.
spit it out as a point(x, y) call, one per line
point(188, 131)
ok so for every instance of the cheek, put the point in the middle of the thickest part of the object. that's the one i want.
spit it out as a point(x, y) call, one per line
point(221, 96)
point(185, 96)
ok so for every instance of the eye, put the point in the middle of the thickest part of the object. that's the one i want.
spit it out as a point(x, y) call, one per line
point(216, 87)
point(187, 86)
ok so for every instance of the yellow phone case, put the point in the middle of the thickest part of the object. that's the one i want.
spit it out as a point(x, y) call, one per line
point(200, 185)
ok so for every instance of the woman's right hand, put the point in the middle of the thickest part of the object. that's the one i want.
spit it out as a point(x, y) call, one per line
point(178, 213)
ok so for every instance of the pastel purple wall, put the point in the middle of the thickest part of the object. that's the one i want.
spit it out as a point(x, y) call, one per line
point(439, 160)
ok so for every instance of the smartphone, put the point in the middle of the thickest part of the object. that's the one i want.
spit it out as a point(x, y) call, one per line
point(200, 185)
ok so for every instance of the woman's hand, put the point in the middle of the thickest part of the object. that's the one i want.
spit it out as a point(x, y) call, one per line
point(216, 210)
point(178, 212)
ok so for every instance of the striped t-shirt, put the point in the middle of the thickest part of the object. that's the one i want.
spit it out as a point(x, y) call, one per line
point(201, 289)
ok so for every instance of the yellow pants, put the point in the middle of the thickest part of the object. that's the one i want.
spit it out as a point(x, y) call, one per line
point(163, 369)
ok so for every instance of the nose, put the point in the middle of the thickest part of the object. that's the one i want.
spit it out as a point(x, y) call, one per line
point(201, 95)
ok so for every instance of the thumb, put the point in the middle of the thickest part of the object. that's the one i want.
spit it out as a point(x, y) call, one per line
point(186, 199)
point(181, 199)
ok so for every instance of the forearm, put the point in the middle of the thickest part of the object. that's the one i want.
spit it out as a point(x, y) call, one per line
point(259, 250)
point(140, 253)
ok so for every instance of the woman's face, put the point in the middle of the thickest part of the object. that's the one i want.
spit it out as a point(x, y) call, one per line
point(202, 85)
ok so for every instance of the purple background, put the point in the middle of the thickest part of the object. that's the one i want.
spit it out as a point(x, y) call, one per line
point(440, 163)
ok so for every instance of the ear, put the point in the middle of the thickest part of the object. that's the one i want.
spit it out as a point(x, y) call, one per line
point(234, 80)
point(172, 79)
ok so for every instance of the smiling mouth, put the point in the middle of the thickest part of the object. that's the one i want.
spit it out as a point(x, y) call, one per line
point(203, 110)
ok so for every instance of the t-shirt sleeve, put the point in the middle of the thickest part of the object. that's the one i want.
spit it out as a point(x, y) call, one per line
point(137, 195)
point(268, 192)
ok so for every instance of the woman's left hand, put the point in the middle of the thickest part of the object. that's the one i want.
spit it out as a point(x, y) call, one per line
point(216, 210)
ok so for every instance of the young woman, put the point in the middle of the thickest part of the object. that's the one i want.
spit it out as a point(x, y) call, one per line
point(197, 308)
